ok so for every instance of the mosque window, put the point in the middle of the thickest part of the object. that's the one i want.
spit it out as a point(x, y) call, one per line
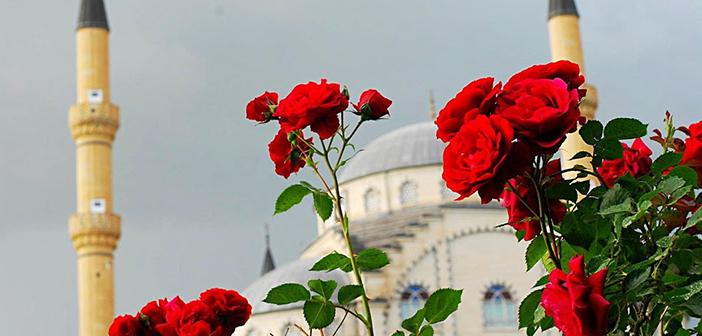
point(499, 308)
point(408, 193)
point(371, 200)
point(411, 300)
point(446, 193)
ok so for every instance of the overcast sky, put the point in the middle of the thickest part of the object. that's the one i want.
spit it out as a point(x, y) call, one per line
point(193, 182)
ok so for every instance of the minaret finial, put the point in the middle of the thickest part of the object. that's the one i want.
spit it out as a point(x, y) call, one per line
point(268, 263)
point(562, 7)
point(432, 105)
point(92, 15)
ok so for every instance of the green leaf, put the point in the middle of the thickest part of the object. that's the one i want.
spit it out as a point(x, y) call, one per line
point(609, 149)
point(323, 204)
point(535, 251)
point(323, 288)
point(333, 261)
point(349, 293)
point(666, 161)
point(372, 259)
point(319, 314)
point(290, 197)
point(581, 155)
point(414, 323)
point(398, 333)
point(286, 294)
point(635, 279)
point(625, 207)
point(528, 307)
point(625, 128)
point(670, 184)
point(591, 132)
point(427, 330)
point(694, 220)
point(562, 191)
point(441, 304)
point(613, 197)
point(686, 173)
point(684, 293)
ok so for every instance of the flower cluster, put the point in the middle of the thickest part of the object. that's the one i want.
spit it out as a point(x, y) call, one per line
point(313, 105)
point(218, 312)
point(636, 161)
point(495, 133)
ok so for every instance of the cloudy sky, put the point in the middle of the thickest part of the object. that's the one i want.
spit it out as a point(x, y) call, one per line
point(192, 179)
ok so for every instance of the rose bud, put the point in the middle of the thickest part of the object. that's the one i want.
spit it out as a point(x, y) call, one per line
point(372, 105)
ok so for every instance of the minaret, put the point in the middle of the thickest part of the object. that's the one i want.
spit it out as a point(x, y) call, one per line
point(564, 32)
point(268, 263)
point(432, 106)
point(93, 121)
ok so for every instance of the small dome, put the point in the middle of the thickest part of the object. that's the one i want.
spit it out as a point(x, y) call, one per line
point(297, 271)
point(409, 146)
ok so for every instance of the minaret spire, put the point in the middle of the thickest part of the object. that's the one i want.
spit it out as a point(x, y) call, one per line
point(564, 33)
point(94, 227)
point(268, 263)
point(92, 14)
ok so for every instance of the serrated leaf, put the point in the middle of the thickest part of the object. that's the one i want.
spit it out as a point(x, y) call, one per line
point(609, 149)
point(670, 184)
point(414, 322)
point(535, 251)
point(349, 293)
point(322, 287)
point(372, 259)
point(686, 173)
point(290, 197)
point(528, 307)
point(319, 314)
point(441, 304)
point(591, 132)
point(694, 220)
point(331, 262)
point(684, 293)
point(613, 197)
point(286, 294)
point(323, 204)
point(625, 128)
point(666, 161)
point(625, 207)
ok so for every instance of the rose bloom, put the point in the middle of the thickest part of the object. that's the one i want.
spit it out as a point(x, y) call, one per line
point(692, 156)
point(478, 97)
point(567, 71)
point(636, 160)
point(260, 108)
point(195, 319)
point(153, 314)
point(576, 302)
point(288, 156)
point(474, 160)
point(315, 105)
point(229, 305)
point(126, 325)
point(520, 217)
point(377, 105)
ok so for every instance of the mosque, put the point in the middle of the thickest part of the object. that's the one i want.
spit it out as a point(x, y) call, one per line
point(394, 196)
point(397, 201)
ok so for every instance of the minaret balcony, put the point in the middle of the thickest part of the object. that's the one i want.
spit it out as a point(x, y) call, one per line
point(91, 230)
point(93, 120)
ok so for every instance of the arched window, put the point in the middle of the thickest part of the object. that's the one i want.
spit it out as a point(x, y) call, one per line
point(411, 300)
point(371, 200)
point(499, 308)
point(408, 193)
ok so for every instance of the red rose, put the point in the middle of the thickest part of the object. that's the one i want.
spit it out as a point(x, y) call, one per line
point(542, 111)
point(567, 71)
point(261, 108)
point(576, 302)
point(635, 160)
point(474, 160)
point(153, 314)
point(315, 105)
point(520, 216)
point(172, 311)
point(372, 105)
point(288, 155)
point(692, 156)
point(126, 325)
point(229, 305)
point(192, 318)
point(476, 98)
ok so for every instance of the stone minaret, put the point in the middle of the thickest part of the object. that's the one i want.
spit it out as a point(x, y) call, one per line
point(564, 32)
point(93, 121)
point(268, 263)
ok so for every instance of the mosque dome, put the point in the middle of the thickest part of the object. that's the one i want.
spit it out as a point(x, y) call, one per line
point(410, 146)
point(297, 271)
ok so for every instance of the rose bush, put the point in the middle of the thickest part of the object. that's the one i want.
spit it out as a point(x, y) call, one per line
point(218, 312)
point(629, 219)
